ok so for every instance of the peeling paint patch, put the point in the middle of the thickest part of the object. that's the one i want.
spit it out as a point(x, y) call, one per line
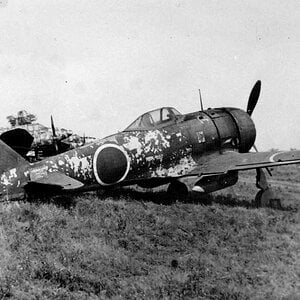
point(142, 144)
point(132, 143)
point(185, 165)
point(5, 180)
point(13, 173)
point(38, 173)
point(200, 136)
point(8, 177)
point(81, 166)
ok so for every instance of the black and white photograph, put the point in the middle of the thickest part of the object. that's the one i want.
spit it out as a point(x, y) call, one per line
point(149, 149)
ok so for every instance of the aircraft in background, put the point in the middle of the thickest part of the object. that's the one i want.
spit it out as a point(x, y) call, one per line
point(35, 141)
point(160, 147)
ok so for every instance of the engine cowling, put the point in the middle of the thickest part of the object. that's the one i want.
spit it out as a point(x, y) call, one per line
point(245, 127)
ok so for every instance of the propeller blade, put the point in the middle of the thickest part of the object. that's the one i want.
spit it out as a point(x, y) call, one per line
point(253, 98)
point(52, 126)
point(54, 135)
point(83, 142)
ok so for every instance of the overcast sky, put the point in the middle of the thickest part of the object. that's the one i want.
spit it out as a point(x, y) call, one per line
point(97, 65)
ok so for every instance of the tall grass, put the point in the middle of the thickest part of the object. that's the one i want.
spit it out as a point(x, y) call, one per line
point(124, 247)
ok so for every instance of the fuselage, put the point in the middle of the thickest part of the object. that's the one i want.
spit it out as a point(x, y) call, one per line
point(153, 151)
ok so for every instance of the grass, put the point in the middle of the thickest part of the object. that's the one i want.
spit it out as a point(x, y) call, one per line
point(124, 246)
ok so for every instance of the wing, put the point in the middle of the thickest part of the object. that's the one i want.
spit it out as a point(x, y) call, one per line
point(54, 181)
point(234, 161)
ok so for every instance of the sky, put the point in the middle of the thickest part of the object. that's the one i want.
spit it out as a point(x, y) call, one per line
point(97, 65)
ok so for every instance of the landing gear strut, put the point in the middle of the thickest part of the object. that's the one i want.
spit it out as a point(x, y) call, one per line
point(177, 191)
point(265, 196)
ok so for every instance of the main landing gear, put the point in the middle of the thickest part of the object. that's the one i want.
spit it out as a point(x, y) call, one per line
point(265, 196)
point(177, 191)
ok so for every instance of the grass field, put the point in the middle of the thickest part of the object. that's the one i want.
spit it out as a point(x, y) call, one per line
point(124, 246)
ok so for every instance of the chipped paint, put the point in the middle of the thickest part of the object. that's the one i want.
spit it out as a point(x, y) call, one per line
point(150, 153)
point(170, 151)
point(143, 143)
point(200, 136)
point(5, 180)
point(184, 166)
point(13, 173)
point(74, 162)
point(38, 173)
point(78, 165)
point(132, 143)
point(157, 138)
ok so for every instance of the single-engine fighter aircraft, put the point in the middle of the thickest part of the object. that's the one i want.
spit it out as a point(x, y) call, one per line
point(160, 147)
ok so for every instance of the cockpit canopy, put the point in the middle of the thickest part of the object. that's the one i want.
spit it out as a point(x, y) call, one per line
point(156, 118)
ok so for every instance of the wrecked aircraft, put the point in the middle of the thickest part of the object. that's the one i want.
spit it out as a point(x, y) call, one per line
point(161, 146)
point(35, 141)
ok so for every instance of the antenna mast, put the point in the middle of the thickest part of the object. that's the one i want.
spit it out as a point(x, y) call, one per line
point(201, 104)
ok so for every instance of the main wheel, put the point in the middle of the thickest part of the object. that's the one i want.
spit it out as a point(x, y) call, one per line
point(177, 191)
point(257, 200)
point(266, 199)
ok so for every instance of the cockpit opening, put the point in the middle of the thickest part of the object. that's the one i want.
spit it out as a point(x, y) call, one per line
point(155, 119)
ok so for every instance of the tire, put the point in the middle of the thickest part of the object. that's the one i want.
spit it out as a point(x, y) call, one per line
point(177, 191)
point(257, 200)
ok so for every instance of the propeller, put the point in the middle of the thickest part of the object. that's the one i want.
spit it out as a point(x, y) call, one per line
point(54, 135)
point(253, 98)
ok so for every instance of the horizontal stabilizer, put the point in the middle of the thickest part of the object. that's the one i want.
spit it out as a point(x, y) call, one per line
point(57, 180)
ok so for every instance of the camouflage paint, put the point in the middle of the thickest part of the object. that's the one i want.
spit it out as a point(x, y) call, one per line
point(158, 153)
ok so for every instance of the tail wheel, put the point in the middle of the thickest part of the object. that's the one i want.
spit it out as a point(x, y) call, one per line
point(177, 191)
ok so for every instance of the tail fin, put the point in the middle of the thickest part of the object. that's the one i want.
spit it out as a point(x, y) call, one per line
point(9, 158)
